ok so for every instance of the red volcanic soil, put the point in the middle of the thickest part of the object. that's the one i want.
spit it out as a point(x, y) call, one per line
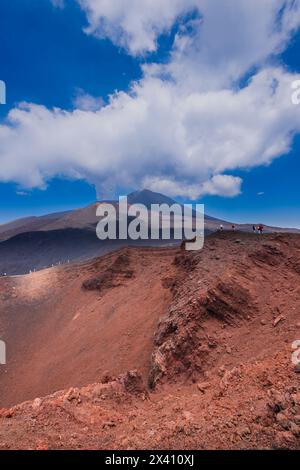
point(208, 336)
point(59, 334)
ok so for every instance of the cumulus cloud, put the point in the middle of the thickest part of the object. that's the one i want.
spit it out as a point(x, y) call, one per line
point(186, 124)
point(153, 134)
point(133, 24)
point(249, 30)
point(224, 185)
point(230, 39)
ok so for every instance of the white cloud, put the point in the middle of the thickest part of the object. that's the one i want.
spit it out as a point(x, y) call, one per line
point(155, 134)
point(180, 135)
point(233, 35)
point(230, 38)
point(218, 185)
point(226, 185)
point(87, 102)
point(133, 24)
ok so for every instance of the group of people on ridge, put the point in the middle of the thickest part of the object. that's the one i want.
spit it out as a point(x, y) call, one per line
point(256, 229)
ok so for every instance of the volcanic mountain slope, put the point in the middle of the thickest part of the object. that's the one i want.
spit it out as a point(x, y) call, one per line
point(39, 250)
point(85, 218)
point(36, 243)
point(28, 224)
point(208, 332)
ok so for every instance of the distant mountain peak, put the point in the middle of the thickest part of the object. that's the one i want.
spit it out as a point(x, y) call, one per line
point(147, 197)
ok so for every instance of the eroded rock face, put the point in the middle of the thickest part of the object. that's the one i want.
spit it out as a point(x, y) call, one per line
point(185, 261)
point(225, 286)
point(229, 302)
point(182, 346)
point(270, 254)
point(113, 276)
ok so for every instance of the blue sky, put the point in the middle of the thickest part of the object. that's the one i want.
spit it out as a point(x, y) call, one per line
point(48, 59)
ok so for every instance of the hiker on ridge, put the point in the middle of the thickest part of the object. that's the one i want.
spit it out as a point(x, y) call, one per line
point(261, 229)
